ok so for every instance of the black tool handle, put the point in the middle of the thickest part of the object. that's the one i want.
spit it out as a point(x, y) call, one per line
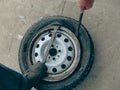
point(80, 20)
point(79, 24)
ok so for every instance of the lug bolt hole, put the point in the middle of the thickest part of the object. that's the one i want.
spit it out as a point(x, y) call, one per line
point(59, 50)
point(63, 66)
point(43, 39)
point(50, 35)
point(70, 48)
point(66, 40)
point(49, 57)
point(53, 58)
point(59, 35)
point(52, 45)
point(38, 46)
point(54, 70)
point(36, 54)
point(69, 58)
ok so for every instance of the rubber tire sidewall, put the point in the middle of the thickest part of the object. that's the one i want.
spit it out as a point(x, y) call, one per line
point(87, 53)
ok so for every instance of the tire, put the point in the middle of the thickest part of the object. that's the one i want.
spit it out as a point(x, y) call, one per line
point(86, 57)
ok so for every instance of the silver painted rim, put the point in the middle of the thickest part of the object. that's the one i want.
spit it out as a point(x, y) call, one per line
point(64, 54)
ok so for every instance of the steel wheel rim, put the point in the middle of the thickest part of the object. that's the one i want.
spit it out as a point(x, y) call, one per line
point(64, 55)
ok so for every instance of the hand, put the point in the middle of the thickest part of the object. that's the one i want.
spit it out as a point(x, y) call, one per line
point(85, 5)
point(35, 73)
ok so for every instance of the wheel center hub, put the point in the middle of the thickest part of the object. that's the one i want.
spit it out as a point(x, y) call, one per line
point(53, 52)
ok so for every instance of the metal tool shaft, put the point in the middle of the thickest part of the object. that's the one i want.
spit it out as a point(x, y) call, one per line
point(50, 43)
point(79, 24)
point(53, 36)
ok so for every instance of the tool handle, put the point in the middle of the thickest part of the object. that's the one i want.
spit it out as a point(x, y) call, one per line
point(79, 23)
point(80, 20)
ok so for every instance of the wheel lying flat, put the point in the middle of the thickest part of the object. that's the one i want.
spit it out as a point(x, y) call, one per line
point(69, 59)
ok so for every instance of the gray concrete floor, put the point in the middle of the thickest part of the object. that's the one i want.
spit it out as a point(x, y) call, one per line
point(102, 21)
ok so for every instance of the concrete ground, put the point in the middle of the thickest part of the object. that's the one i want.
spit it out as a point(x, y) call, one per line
point(102, 21)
